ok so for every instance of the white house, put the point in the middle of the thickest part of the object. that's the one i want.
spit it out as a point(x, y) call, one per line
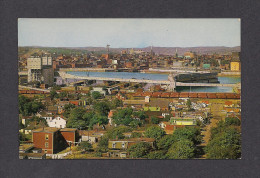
point(57, 122)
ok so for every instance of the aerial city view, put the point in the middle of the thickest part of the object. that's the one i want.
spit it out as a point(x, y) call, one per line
point(129, 88)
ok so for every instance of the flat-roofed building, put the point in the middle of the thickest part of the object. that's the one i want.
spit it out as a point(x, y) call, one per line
point(49, 139)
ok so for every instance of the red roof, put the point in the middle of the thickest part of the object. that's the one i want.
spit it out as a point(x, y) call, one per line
point(228, 102)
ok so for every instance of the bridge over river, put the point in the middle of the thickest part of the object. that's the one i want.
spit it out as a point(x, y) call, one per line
point(170, 82)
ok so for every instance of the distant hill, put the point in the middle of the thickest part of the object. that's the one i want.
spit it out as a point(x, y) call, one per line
point(160, 50)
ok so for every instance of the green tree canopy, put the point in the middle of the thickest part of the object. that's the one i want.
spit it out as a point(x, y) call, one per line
point(96, 95)
point(53, 94)
point(63, 94)
point(182, 149)
point(139, 150)
point(85, 146)
point(117, 132)
point(191, 133)
point(76, 119)
point(101, 108)
point(67, 109)
point(157, 155)
point(116, 103)
point(166, 142)
point(224, 145)
point(154, 132)
point(28, 107)
point(154, 120)
point(128, 117)
point(232, 121)
point(189, 103)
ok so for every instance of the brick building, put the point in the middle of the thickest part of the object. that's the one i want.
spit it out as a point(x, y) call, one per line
point(70, 135)
point(53, 140)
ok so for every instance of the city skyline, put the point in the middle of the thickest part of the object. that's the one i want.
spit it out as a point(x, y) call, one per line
point(128, 33)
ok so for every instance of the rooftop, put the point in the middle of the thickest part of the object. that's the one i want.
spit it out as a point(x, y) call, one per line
point(68, 130)
point(46, 129)
point(25, 146)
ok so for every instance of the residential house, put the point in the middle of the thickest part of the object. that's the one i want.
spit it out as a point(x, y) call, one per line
point(57, 122)
point(183, 121)
point(117, 147)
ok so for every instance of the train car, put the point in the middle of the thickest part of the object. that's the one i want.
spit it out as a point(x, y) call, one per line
point(202, 95)
point(230, 95)
point(156, 94)
point(193, 95)
point(211, 95)
point(221, 95)
point(147, 94)
point(174, 95)
point(237, 96)
point(165, 95)
point(184, 95)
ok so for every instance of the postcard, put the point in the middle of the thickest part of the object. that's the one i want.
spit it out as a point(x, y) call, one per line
point(129, 88)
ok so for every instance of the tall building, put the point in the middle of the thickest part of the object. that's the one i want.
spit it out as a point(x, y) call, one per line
point(40, 69)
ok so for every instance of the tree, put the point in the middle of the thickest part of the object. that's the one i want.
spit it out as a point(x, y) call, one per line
point(101, 108)
point(39, 120)
point(232, 121)
point(63, 94)
point(166, 142)
point(22, 137)
point(53, 94)
point(157, 155)
point(135, 123)
point(154, 132)
point(116, 103)
point(28, 107)
point(136, 135)
point(103, 144)
point(139, 150)
point(224, 145)
point(123, 116)
point(98, 119)
point(167, 118)
point(189, 104)
point(191, 133)
point(140, 114)
point(117, 132)
point(85, 146)
point(128, 117)
point(182, 149)
point(76, 119)
point(67, 109)
point(96, 95)
point(154, 120)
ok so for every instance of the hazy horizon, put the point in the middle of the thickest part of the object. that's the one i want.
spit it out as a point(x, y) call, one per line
point(128, 33)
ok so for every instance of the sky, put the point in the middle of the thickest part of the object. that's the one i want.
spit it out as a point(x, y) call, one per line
point(128, 33)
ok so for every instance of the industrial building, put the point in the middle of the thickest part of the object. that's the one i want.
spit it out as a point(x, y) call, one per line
point(40, 69)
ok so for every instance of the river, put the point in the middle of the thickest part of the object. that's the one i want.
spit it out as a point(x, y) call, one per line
point(136, 75)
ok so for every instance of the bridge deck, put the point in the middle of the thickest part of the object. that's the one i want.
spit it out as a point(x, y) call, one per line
point(65, 75)
point(32, 88)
